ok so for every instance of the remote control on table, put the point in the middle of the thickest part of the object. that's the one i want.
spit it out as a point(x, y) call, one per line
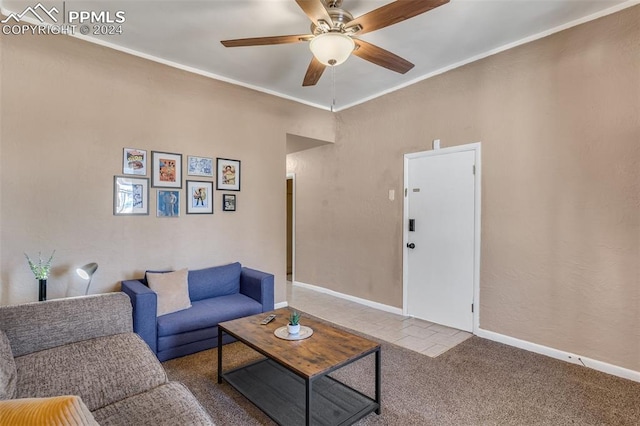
point(268, 319)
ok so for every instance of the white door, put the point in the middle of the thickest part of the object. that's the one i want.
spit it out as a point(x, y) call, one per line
point(440, 252)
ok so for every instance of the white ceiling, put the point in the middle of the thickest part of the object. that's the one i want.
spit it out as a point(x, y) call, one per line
point(187, 34)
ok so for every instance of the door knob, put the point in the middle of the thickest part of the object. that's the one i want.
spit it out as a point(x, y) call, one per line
point(411, 245)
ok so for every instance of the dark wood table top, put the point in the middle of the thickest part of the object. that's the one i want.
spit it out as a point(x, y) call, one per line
point(327, 349)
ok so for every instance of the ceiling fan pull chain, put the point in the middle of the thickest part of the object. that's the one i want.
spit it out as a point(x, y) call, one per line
point(333, 88)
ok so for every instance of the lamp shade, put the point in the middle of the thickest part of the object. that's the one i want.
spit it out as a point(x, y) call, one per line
point(87, 271)
point(332, 48)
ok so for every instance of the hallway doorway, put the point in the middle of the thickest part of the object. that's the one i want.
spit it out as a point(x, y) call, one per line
point(290, 226)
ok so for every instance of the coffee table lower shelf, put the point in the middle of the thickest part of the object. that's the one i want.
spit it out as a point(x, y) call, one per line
point(281, 395)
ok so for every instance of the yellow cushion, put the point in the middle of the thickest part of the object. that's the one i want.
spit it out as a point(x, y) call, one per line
point(65, 410)
point(172, 289)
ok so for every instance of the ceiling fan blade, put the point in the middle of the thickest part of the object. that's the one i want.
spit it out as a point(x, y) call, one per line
point(265, 41)
point(379, 56)
point(314, 72)
point(315, 10)
point(393, 13)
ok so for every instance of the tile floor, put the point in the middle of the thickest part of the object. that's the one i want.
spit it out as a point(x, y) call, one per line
point(421, 336)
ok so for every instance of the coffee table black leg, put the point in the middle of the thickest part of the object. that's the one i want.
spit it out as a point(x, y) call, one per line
point(378, 382)
point(219, 355)
point(308, 405)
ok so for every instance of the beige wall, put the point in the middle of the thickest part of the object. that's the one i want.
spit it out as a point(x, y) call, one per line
point(559, 122)
point(67, 110)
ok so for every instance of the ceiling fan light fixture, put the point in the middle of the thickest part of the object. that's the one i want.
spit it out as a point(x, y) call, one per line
point(332, 48)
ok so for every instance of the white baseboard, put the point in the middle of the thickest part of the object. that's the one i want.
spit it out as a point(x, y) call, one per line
point(365, 302)
point(281, 305)
point(604, 367)
point(561, 355)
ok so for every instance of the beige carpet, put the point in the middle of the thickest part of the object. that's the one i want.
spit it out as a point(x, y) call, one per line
point(478, 382)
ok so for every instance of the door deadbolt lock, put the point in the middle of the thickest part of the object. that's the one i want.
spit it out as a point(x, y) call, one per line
point(411, 245)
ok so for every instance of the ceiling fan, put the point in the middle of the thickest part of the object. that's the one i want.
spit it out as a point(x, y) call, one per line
point(334, 31)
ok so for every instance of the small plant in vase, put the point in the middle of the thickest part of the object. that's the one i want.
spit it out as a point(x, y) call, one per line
point(41, 271)
point(294, 323)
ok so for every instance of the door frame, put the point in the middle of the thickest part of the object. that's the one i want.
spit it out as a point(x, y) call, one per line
point(475, 147)
point(292, 176)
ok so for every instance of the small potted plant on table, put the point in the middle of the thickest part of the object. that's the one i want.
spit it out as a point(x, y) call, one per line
point(294, 323)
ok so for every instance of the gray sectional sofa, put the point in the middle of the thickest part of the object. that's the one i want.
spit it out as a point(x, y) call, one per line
point(85, 346)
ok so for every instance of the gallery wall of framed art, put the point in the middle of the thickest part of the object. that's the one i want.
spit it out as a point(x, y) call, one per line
point(132, 194)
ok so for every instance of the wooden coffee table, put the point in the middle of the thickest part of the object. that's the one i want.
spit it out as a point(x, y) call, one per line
point(291, 385)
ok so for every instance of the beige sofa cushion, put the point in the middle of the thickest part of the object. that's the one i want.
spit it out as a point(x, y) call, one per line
point(172, 289)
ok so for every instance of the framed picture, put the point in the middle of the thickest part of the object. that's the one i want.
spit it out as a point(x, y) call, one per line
point(199, 166)
point(130, 195)
point(229, 202)
point(199, 197)
point(168, 203)
point(134, 161)
point(166, 170)
point(228, 175)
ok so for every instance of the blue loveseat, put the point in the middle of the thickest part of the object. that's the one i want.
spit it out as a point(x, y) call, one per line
point(217, 294)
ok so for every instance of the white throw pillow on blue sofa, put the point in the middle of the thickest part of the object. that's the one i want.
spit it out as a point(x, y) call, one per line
point(172, 289)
